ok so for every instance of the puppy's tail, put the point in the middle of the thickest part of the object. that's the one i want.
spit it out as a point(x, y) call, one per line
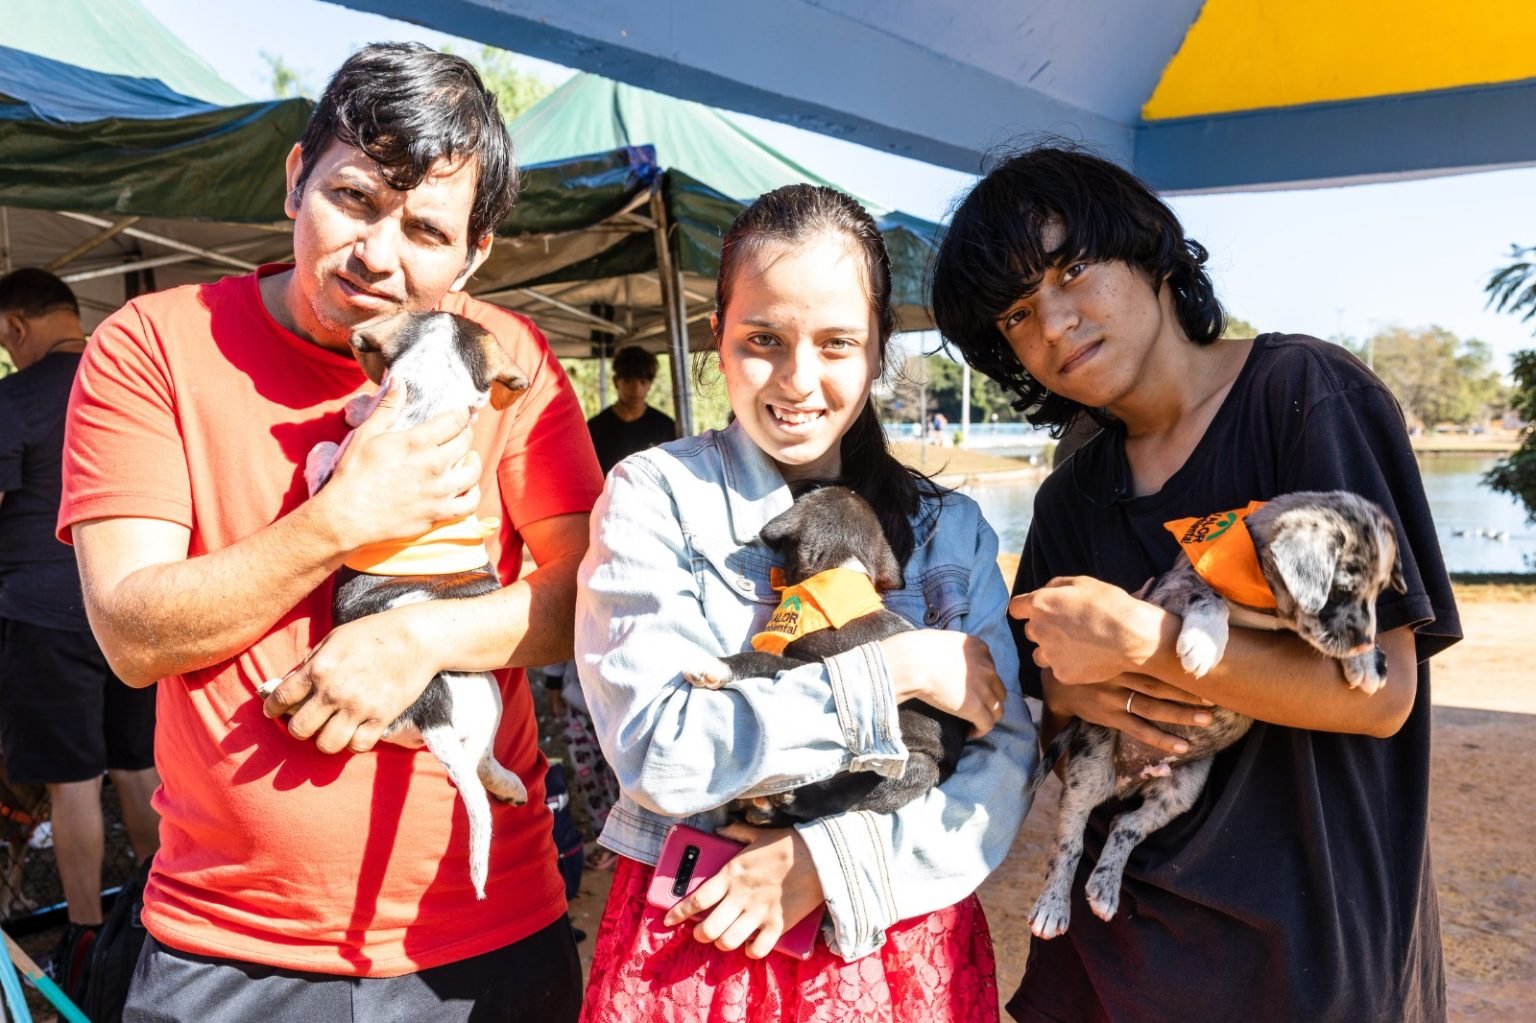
point(1052, 756)
point(463, 771)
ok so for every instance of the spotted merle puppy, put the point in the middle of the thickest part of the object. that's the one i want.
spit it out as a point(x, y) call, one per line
point(833, 527)
point(1326, 557)
point(441, 362)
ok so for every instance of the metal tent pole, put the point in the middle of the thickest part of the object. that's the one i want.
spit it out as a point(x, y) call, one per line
point(101, 237)
point(677, 326)
point(170, 243)
point(965, 403)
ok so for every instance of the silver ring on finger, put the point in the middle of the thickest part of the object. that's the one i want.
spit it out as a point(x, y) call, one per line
point(1128, 700)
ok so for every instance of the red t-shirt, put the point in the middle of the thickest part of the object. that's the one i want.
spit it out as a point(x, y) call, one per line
point(195, 406)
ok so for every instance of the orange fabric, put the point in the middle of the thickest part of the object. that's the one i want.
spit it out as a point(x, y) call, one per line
point(455, 547)
point(195, 406)
point(829, 599)
point(1222, 552)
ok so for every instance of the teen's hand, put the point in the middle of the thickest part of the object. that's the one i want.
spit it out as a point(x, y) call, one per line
point(1134, 704)
point(948, 670)
point(393, 484)
point(764, 890)
point(355, 683)
point(1088, 631)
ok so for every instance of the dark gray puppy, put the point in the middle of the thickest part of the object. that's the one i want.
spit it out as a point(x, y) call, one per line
point(1326, 557)
point(833, 527)
point(442, 362)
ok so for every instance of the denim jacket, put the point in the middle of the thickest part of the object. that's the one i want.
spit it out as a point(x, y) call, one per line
point(675, 575)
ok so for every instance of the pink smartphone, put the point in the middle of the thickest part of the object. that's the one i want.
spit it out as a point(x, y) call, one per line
point(689, 857)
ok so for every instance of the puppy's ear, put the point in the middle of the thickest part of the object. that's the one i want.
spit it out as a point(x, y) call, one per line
point(777, 530)
point(507, 381)
point(1304, 556)
point(370, 354)
point(1397, 582)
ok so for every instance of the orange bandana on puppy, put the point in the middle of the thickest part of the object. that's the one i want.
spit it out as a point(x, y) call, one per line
point(829, 599)
point(1221, 549)
point(448, 549)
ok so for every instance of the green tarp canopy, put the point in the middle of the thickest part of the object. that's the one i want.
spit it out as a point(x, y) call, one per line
point(97, 99)
point(127, 164)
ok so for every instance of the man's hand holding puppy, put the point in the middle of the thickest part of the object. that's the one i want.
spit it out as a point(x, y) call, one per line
point(363, 674)
point(399, 484)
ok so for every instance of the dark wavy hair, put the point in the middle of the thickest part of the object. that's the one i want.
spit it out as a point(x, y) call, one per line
point(408, 106)
point(794, 214)
point(992, 254)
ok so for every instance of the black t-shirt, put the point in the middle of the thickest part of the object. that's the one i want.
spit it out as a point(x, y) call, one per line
point(39, 583)
point(1299, 886)
point(615, 440)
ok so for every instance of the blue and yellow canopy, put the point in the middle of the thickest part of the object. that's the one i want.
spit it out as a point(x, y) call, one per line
point(1314, 91)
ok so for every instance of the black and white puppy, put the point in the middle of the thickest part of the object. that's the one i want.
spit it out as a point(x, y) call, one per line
point(833, 527)
point(441, 362)
point(1326, 557)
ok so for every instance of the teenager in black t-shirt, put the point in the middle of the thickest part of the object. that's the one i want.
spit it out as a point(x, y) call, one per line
point(629, 424)
point(1299, 887)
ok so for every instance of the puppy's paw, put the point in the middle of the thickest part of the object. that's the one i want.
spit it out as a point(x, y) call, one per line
point(502, 783)
point(758, 811)
point(1104, 893)
point(714, 675)
point(319, 465)
point(360, 407)
point(1051, 915)
point(1366, 672)
point(1198, 651)
point(268, 687)
point(515, 791)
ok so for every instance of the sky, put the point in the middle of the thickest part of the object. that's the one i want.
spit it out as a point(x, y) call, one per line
point(1330, 262)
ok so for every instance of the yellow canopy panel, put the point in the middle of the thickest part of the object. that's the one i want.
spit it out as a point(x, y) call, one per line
point(1257, 54)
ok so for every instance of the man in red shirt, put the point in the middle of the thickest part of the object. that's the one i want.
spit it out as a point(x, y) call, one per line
point(306, 872)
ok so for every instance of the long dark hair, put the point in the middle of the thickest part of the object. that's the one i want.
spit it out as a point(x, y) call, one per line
point(408, 106)
point(793, 214)
point(992, 254)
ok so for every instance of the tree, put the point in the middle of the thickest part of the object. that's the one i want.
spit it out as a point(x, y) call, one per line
point(286, 81)
point(515, 89)
point(1436, 376)
point(945, 379)
point(1512, 289)
point(1515, 474)
point(1237, 327)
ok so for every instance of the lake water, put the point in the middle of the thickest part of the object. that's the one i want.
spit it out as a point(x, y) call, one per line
point(1460, 503)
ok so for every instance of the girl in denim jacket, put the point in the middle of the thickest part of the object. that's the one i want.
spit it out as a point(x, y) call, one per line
point(676, 576)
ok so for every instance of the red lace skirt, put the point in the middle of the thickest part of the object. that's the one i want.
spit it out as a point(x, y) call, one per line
point(932, 969)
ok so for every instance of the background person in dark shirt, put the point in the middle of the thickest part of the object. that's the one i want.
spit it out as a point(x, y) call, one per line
point(629, 424)
point(1299, 886)
point(65, 719)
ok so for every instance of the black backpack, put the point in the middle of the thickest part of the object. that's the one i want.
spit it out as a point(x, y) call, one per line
point(116, 952)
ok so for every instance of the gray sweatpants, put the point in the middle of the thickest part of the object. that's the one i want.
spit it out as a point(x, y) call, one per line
point(536, 980)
